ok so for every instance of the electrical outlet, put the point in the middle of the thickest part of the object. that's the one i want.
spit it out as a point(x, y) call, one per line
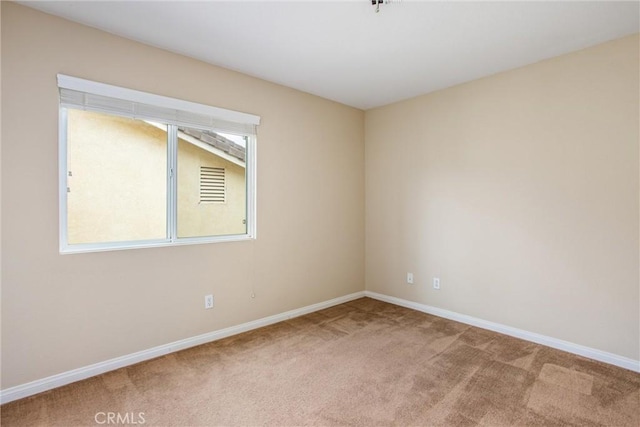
point(410, 278)
point(436, 283)
point(208, 301)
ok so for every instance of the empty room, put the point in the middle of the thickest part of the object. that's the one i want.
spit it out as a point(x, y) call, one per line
point(368, 213)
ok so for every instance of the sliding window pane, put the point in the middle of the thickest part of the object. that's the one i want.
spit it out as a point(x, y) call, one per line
point(117, 178)
point(212, 183)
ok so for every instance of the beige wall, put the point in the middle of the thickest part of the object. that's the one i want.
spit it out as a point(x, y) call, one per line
point(61, 312)
point(520, 191)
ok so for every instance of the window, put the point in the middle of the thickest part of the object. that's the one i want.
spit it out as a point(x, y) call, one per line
point(143, 170)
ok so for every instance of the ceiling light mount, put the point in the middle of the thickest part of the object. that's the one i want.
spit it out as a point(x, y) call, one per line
point(377, 3)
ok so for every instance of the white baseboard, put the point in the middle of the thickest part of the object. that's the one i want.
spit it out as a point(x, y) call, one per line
point(591, 353)
point(38, 386)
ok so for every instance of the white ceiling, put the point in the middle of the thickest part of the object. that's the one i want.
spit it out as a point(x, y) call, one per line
point(346, 52)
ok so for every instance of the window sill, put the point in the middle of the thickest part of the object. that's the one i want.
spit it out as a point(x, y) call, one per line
point(118, 246)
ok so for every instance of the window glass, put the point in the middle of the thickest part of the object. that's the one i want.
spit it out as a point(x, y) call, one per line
point(117, 178)
point(212, 183)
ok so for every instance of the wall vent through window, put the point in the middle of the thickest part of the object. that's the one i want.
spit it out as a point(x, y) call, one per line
point(212, 185)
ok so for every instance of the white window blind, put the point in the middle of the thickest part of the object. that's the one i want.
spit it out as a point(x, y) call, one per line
point(89, 95)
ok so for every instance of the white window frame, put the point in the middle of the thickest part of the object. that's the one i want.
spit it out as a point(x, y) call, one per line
point(224, 121)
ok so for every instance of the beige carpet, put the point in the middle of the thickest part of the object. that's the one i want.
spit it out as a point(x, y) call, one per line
point(362, 363)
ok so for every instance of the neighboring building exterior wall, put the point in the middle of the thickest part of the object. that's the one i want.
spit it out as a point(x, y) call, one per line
point(106, 154)
point(206, 219)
